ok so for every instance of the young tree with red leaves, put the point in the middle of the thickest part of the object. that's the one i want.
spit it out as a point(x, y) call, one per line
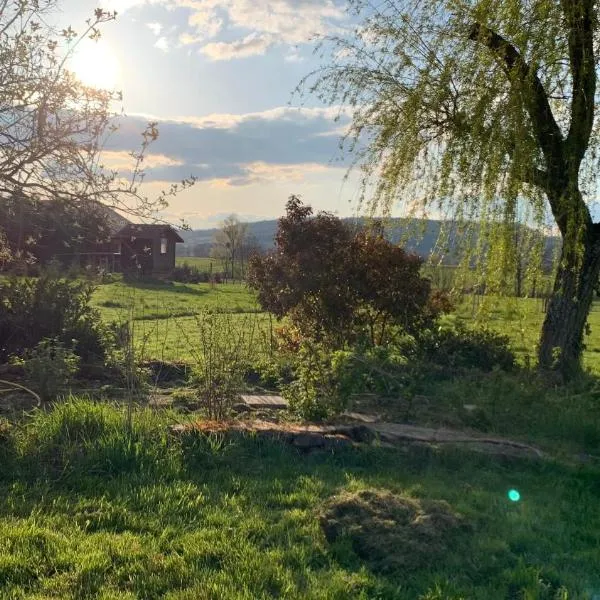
point(337, 283)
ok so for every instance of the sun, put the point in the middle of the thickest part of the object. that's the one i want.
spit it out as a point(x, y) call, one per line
point(96, 65)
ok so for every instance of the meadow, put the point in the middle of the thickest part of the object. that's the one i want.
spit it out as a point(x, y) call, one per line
point(164, 316)
point(90, 508)
point(100, 502)
point(202, 263)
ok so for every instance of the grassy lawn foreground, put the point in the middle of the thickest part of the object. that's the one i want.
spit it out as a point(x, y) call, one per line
point(88, 510)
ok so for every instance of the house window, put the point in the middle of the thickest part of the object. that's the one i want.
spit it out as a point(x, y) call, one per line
point(163, 245)
point(118, 248)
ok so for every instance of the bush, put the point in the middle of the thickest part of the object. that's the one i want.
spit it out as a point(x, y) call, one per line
point(222, 350)
point(50, 306)
point(186, 273)
point(339, 285)
point(317, 392)
point(271, 373)
point(326, 381)
point(49, 368)
point(464, 348)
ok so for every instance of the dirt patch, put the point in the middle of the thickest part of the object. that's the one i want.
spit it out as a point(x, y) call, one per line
point(391, 532)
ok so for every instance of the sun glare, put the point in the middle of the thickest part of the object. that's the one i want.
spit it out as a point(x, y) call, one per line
point(95, 64)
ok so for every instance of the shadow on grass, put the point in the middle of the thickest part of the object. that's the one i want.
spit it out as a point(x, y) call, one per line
point(78, 469)
point(175, 288)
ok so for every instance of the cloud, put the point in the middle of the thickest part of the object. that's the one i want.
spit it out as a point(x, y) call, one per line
point(162, 43)
point(281, 144)
point(122, 160)
point(251, 25)
point(252, 45)
point(293, 57)
point(186, 39)
point(262, 172)
point(156, 28)
point(325, 114)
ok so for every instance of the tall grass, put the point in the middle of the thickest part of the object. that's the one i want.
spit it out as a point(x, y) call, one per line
point(89, 509)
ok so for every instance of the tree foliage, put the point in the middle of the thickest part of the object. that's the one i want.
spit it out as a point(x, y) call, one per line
point(339, 284)
point(229, 244)
point(40, 230)
point(483, 109)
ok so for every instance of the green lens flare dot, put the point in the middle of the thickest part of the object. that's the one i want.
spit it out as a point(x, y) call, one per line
point(514, 496)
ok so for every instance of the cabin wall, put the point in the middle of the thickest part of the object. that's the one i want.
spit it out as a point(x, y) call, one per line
point(163, 263)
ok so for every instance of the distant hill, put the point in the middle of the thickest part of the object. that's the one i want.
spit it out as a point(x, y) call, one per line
point(264, 231)
point(423, 243)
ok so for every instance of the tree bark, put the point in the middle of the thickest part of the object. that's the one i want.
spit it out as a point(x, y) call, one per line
point(561, 342)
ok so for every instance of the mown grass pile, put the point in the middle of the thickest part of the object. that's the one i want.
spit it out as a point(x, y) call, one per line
point(94, 507)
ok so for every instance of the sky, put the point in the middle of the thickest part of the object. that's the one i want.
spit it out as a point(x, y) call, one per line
point(218, 76)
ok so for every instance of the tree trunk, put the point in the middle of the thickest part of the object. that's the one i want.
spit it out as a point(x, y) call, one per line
point(561, 342)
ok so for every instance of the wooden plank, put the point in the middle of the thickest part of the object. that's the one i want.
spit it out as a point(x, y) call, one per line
point(264, 402)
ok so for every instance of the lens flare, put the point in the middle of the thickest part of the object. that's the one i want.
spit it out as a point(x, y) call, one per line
point(96, 65)
point(514, 495)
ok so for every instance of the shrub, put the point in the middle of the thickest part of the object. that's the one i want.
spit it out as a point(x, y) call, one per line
point(123, 359)
point(187, 273)
point(339, 285)
point(222, 350)
point(270, 372)
point(49, 368)
point(316, 392)
point(464, 348)
point(326, 381)
point(50, 306)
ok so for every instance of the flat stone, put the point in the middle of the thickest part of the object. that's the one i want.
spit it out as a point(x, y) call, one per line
point(312, 436)
point(274, 402)
point(362, 417)
point(338, 441)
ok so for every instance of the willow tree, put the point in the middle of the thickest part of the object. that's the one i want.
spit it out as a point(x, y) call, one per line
point(486, 106)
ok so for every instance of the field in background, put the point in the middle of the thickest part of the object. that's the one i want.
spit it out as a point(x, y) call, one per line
point(521, 320)
point(164, 314)
point(202, 263)
point(165, 324)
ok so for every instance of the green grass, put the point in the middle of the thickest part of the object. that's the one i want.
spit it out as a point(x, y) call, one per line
point(201, 262)
point(521, 320)
point(149, 301)
point(163, 314)
point(161, 311)
point(177, 339)
point(90, 510)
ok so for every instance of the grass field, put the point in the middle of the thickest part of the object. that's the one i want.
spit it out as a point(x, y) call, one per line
point(163, 314)
point(92, 507)
point(161, 300)
point(521, 320)
point(202, 263)
point(163, 311)
point(91, 510)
